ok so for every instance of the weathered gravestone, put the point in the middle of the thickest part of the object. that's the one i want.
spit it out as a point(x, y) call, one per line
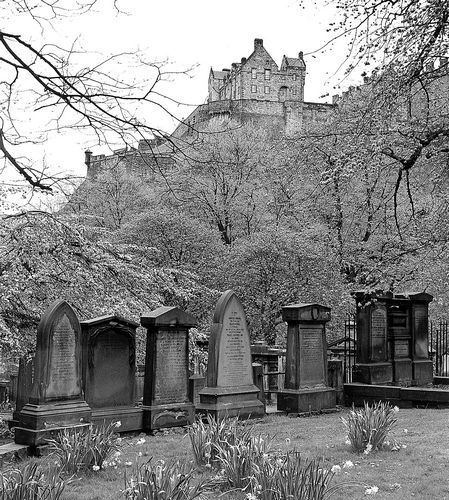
point(24, 387)
point(166, 401)
point(56, 400)
point(109, 370)
point(230, 389)
point(392, 338)
point(306, 385)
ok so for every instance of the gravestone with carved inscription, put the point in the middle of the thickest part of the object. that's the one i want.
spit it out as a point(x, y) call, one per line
point(230, 388)
point(306, 385)
point(109, 369)
point(56, 399)
point(422, 366)
point(373, 359)
point(166, 401)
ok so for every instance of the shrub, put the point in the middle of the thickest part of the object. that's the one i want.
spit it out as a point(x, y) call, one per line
point(5, 433)
point(30, 483)
point(368, 427)
point(162, 481)
point(86, 448)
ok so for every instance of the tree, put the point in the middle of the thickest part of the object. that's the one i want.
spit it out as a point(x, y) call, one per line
point(66, 88)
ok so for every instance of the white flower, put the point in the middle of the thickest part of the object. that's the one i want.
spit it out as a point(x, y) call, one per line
point(140, 442)
point(348, 464)
point(119, 440)
point(368, 448)
point(287, 441)
point(265, 456)
point(336, 469)
point(251, 496)
point(128, 464)
point(118, 424)
point(404, 446)
point(95, 467)
point(139, 454)
point(117, 454)
point(405, 431)
point(348, 442)
point(395, 409)
point(372, 490)
point(208, 466)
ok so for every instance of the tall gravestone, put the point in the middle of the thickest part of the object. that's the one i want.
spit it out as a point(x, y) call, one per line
point(56, 399)
point(422, 366)
point(166, 401)
point(230, 389)
point(373, 364)
point(109, 370)
point(306, 385)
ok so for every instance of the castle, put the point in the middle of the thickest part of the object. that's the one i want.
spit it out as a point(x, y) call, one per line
point(254, 90)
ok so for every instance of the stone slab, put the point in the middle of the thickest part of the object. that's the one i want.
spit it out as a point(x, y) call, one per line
point(299, 401)
point(131, 418)
point(373, 373)
point(170, 415)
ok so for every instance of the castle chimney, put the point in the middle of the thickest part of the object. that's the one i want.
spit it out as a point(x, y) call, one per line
point(87, 157)
point(258, 42)
point(243, 61)
point(301, 55)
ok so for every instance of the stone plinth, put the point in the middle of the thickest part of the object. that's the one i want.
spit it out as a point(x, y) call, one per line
point(230, 389)
point(306, 377)
point(56, 399)
point(166, 401)
point(109, 370)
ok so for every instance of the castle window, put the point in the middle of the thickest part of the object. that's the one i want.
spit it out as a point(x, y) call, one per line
point(295, 77)
point(294, 90)
point(267, 74)
point(253, 73)
point(267, 89)
point(253, 89)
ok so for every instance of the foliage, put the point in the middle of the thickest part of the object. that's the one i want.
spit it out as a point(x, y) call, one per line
point(30, 483)
point(208, 436)
point(45, 257)
point(163, 481)
point(368, 427)
point(4, 430)
point(82, 449)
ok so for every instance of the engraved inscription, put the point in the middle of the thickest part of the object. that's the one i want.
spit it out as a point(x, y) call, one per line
point(63, 369)
point(421, 332)
point(378, 334)
point(401, 349)
point(171, 368)
point(235, 356)
point(312, 366)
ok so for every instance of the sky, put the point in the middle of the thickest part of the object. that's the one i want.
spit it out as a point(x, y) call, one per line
point(197, 34)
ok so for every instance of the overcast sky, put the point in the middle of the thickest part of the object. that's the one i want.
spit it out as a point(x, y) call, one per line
point(198, 34)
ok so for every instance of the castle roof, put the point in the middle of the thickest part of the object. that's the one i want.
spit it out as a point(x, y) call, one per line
point(294, 62)
point(220, 75)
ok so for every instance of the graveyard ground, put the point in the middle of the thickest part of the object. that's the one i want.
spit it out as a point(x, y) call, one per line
point(417, 470)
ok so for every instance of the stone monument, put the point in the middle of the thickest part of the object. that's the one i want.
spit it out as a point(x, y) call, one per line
point(56, 399)
point(373, 360)
point(422, 366)
point(230, 389)
point(306, 386)
point(166, 401)
point(109, 370)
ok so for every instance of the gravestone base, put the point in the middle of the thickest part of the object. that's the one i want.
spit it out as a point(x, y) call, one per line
point(39, 422)
point(403, 371)
point(131, 418)
point(220, 402)
point(423, 371)
point(196, 384)
point(306, 400)
point(169, 415)
point(373, 373)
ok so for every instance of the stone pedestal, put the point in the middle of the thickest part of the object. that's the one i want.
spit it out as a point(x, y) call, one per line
point(306, 377)
point(109, 370)
point(230, 389)
point(56, 400)
point(166, 400)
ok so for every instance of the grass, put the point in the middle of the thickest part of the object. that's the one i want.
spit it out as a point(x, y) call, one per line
point(417, 471)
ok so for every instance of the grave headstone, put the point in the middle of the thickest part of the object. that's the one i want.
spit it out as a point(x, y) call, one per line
point(56, 399)
point(166, 401)
point(230, 388)
point(373, 359)
point(306, 386)
point(109, 370)
point(24, 387)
